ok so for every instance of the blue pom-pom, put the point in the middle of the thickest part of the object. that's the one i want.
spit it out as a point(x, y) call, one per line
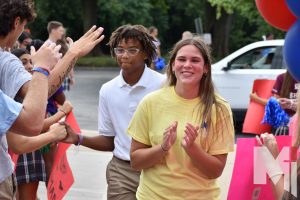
point(274, 114)
point(159, 63)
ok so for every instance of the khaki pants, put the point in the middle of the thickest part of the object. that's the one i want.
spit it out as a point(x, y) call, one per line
point(8, 188)
point(122, 180)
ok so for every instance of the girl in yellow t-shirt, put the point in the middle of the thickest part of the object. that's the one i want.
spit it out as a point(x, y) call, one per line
point(181, 134)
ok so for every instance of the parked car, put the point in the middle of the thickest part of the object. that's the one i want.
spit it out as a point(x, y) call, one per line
point(233, 76)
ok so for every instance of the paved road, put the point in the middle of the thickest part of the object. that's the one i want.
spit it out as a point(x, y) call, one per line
point(84, 95)
point(89, 166)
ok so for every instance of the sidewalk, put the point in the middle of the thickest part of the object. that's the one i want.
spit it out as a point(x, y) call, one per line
point(224, 180)
point(89, 168)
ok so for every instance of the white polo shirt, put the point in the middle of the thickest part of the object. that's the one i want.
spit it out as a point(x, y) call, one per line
point(117, 104)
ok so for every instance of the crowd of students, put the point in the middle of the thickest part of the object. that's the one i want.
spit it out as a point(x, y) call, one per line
point(170, 136)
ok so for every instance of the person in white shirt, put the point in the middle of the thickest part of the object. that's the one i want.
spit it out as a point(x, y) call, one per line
point(56, 31)
point(134, 51)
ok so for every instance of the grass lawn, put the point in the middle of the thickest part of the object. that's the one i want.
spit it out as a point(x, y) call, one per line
point(99, 61)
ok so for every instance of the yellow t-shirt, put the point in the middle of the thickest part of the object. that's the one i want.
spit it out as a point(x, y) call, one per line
point(176, 177)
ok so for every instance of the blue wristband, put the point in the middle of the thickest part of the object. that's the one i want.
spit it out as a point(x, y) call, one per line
point(41, 70)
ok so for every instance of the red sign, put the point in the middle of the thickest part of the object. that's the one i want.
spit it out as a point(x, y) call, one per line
point(61, 177)
point(256, 111)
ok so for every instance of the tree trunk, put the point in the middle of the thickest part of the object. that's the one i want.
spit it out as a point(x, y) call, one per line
point(219, 29)
point(89, 19)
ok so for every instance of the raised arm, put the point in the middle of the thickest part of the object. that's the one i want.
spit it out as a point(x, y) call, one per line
point(270, 147)
point(99, 142)
point(30, 119)
point(77, 49)
point(37, 87)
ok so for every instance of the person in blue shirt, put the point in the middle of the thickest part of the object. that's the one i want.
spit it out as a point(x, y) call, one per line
point(10, 110)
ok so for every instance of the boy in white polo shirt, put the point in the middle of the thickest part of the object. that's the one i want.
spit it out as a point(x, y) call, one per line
point(134, 51)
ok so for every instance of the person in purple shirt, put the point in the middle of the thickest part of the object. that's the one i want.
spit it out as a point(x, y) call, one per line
point(285, 90)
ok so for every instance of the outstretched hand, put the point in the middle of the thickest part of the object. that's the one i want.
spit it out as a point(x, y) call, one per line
point(59, 131)
point(72, 137)
point(87, 42)
point(269, 141)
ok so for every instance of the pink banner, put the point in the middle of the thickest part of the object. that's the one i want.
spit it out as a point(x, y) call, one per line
point(242, 182)
point(255, 113)
point(61, 178)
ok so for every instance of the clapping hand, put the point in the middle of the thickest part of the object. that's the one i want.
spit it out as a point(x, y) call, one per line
point(191, 133)
point(170, 136)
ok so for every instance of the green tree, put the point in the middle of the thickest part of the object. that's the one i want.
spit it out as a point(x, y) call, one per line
point(89, 13)
point(66, 11)
point(245, 25)
point(232, 23)
point(114, 13)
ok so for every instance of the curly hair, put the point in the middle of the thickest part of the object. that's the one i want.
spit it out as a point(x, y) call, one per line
point(10, 10)
point(137, 32)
